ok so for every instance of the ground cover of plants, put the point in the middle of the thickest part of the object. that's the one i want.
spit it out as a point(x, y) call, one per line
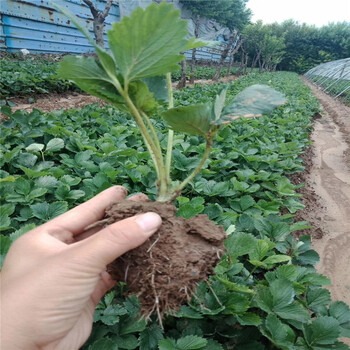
point(265, 293)
point(23, 76)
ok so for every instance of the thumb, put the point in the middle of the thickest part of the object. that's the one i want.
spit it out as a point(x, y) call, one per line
point(113, 241)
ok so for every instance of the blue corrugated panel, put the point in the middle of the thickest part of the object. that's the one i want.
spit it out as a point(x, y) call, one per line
point(36, 26)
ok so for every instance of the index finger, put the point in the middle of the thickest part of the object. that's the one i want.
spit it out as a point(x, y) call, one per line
point(76, 219)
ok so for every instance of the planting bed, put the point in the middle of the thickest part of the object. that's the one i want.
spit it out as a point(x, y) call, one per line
point(264, 293)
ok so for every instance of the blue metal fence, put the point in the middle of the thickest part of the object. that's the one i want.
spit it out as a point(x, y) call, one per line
point(36, 26)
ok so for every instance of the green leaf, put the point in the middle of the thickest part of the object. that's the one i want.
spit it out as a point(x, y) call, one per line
point(37, 192)
point(27, 160)
point(22, 186)
point(272, 260)
point(142, 98)
point(111, 314)
point(239, 244)
point(103, 344)
point(167, 344)
point(246, 202)
point(90, 76)
point(191, 342)
point(341, 311)
point(132, 325)
point(317, 298)
point(158, 86)
point(46, 182)
point(148, 43)
point(276, 329)
point(54, 145)
point(324, 330)
point(46, 211)
point(249, 319)
point(150, 336)
point(219, 104)
point(252, 102)
point(237, 304)
point(294, 311)
point(234, 286)
point(128, 342)
point(193, 119)
point(35, 147)
point(5, 243)
point(282, 292)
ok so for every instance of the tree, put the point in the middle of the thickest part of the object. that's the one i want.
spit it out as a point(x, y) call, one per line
point(230, 13)
point(272, 52)
point(234, 15)
point(234, 50)
point(99, 20)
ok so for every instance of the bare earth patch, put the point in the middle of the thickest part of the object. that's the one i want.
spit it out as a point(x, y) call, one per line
point(330, 178)
point(55, 101)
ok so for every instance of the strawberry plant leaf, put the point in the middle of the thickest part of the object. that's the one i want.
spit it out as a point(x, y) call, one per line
point(35, 147)
point(318, 298)
point(54, 145)
point(90, 76)
point(191, 342)
point(282, 292)
point(294, 312)
point(249, 319)
point(194, 119)
point(5, 243)
point(46, 211)
point(148, 43)
point(104, 344)
point(158, 86)
point(219, 104)
point(253, 101)
point(323, 330)
point(341, 311)
point(150, 337)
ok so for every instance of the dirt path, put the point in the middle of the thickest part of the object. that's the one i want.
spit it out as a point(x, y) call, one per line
point(330, 179)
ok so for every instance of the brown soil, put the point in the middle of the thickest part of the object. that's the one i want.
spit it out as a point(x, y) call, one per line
point(67, 100)
point(54, 101)
point(314, 207)
point(329, 177)
point(164, 271)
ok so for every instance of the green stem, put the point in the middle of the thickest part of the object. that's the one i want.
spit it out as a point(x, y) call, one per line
point(198, 169)
point(153, 131)
point(251, 273)
point(154, 151)
point(170, 132)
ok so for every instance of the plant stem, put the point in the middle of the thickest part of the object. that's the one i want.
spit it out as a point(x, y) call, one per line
point(153, 132)
point(198, 169)
point(154, 151)
point(170, 132)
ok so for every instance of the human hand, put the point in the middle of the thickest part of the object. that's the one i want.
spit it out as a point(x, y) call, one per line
point(54, 276)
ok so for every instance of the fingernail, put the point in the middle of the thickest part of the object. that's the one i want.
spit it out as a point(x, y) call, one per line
point(149, 222)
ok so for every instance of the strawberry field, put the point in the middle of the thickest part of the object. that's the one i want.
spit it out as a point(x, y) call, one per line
point(225, 150)
point(265, 291)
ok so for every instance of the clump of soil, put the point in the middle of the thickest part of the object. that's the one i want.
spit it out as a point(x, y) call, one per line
point(164, 271)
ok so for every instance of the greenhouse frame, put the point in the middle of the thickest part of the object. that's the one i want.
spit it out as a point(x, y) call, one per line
point(333, 77)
